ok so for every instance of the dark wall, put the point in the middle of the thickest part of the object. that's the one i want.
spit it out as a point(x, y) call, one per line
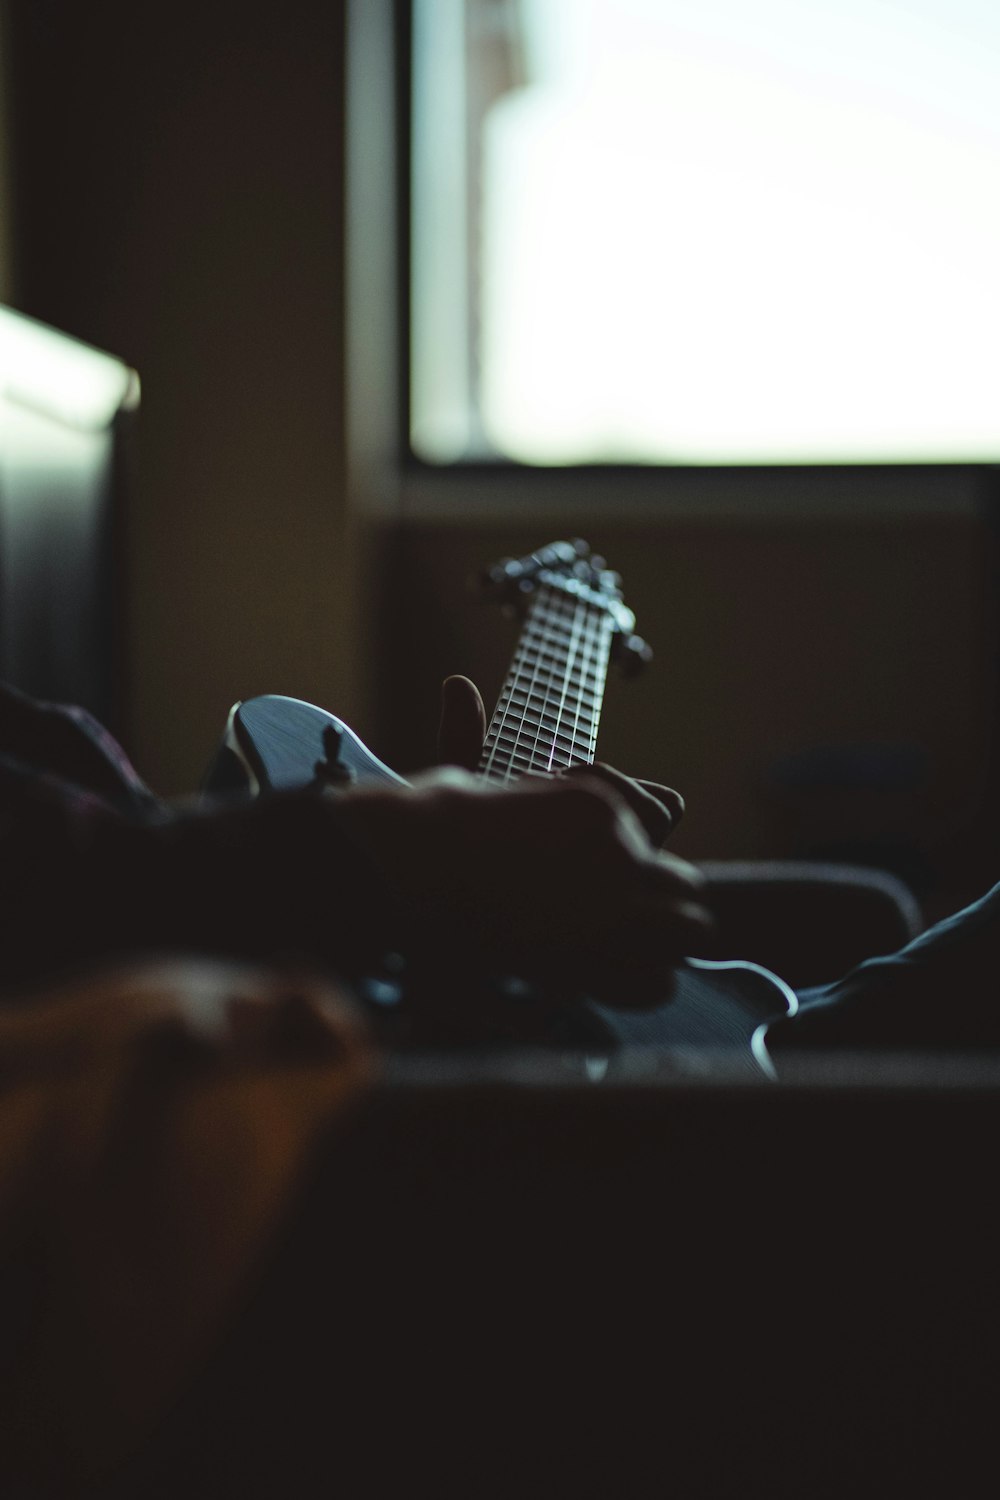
point(177, 193)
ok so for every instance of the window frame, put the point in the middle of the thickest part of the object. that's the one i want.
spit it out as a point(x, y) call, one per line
point(413, 488)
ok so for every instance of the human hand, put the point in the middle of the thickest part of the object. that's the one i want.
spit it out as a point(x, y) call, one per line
point(462, 730)
point(556, 879)
point(462, 726)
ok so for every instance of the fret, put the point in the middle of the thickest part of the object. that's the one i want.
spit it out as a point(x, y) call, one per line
point(522, 763)
point(567, 639)
point(564, 649)
point(507, 767)
point(548, 708)
point(516, 759)
point(546, 617)
point(560, 634)
point(577, 672)
point(563, 627)
point(526, 731)
point(542, 682)
point(561, 651)
point(572, 731)
point(543, 702)
point(534, 727)
point(561, 741)
point(547, 715)
point(540, 757)
point(567, 740)
point(532, 731)
point(498, 771)
point(540, 678)
point(559, 641)
point(549, 698)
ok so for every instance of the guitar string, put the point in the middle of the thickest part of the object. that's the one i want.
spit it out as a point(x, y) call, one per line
point(567, 677)
point(509, 689)
point(549, 612)
point(585, 626)
point(506, 697)
point(587, 630)
point(601, 652)
point(513, 678)
point(541, 641)
point(579, 687)
point(546, 602)
point(588, 689)
point(602, 658)
point(603, 627)
point(592, 649)
point(577, 625)
point(566, 667)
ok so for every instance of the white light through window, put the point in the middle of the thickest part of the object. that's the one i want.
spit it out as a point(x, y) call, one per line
point(706, 231)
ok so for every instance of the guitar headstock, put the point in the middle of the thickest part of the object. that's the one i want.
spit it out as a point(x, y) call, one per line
point(570, 567)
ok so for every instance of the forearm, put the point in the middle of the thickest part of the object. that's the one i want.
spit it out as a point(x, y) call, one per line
point(79, 881)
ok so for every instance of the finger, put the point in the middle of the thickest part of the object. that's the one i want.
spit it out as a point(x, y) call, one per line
point(671, 800)
point(463, 723)
point(665, 924)
point(668, 874)
point(628, 964)
point(658, 808)
point(648, 948)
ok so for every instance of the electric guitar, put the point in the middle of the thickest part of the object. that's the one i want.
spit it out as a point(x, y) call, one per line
point(574, 625)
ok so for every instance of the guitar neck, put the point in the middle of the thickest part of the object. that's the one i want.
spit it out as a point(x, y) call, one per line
point(550, 705)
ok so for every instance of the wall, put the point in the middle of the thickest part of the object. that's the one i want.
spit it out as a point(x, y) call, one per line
point(179, 191)
point(6, 284)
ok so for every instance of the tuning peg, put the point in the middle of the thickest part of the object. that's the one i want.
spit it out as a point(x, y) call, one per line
point(502, 576)
point(566, 557)
point(513, 577)
point(632, 654)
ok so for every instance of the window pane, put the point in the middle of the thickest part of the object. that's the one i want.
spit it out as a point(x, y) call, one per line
point(702, 231)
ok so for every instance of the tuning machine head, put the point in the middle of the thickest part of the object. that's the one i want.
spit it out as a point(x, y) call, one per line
point(631, 653)
point(510, 579)
point(571, 568)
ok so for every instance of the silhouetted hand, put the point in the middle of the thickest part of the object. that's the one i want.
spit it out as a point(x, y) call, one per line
point(462, 727)
point(556, 879)
point(461, 733)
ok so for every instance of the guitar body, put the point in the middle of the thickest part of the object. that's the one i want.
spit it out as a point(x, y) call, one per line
point(273, 743)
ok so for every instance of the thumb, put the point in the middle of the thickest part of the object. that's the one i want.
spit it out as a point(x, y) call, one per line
point(463, 723)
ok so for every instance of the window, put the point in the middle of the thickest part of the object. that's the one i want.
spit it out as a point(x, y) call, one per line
point(705, 232)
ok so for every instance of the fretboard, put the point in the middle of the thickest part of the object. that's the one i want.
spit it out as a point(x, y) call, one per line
point(550, 704)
